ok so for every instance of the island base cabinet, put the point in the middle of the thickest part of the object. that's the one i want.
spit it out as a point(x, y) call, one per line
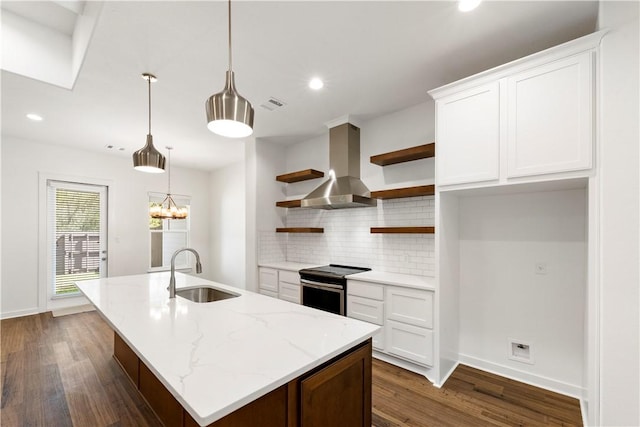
point(337, 393)
point(127, 359)
point(269, 410)
point(166, 407)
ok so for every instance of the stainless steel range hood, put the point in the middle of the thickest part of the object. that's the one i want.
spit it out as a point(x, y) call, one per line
point(344, 189)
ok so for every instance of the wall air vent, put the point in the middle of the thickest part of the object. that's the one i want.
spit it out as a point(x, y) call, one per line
point(273, 104)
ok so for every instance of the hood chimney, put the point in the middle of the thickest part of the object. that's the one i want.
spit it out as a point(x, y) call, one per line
point(343, 189)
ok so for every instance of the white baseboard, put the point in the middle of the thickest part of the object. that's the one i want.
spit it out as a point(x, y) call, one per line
point(546, 383)
point(72, 310)
point(19, 313)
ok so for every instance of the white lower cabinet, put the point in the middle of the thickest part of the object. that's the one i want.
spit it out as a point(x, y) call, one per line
point(411, 306)
point(268, 281)
point(405, 314)
point(289, 286)
point(409, 342)
point(368, 310)
point(282, 284)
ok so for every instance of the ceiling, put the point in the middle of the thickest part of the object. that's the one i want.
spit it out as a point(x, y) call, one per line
point(374, 57)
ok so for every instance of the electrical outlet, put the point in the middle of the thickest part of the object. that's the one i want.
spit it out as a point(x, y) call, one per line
point(540, 268)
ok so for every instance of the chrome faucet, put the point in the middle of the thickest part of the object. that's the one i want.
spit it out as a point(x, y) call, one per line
point(172, 281)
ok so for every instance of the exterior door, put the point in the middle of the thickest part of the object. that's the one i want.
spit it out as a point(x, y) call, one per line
point(77, 235)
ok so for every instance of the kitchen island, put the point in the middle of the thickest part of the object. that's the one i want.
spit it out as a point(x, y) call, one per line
point(248, 360)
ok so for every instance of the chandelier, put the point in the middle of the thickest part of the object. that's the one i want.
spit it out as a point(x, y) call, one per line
point(168, 209)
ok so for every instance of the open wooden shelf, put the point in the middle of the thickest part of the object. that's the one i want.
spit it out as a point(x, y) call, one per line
point(289, 203)
point(402, 230)
point(406, 155)
point(300, 176)
point(397, 193)
point(299, 230)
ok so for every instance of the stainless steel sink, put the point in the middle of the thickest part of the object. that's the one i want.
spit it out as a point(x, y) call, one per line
point(205, 294)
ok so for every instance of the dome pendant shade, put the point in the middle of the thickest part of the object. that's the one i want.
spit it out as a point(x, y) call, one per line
point(148, 159)
point(229, 113)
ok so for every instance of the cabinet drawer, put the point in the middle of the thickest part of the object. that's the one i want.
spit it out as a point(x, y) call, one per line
point(366, 309)
point(411, 306)
point(289, 292)
point(268, 279)
point(289, 276)
point(409, 342)
point(365, 289)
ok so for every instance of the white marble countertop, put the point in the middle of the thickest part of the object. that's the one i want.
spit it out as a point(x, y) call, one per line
point(397, 279)
point(216, 357)
point(287, 265)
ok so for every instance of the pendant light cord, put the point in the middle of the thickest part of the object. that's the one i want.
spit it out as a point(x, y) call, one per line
point(169, 174)
point(149, 80)
point(229, 16)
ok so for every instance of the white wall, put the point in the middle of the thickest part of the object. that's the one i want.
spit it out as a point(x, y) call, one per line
point(502, 238)
point(270, 162)
point(22, 161)
point(228, 224)
point(619, 210)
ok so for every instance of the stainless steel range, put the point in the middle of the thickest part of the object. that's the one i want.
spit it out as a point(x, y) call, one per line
point(325, 287)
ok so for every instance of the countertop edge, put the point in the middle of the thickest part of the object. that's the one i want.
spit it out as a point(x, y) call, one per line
point(396, 279)
point(287, 265)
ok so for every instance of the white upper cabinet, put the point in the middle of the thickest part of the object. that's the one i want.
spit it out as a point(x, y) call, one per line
point(468, 127)
point(529, 120)
point(550, 116)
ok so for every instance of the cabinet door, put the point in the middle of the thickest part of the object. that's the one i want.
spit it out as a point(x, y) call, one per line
point(339, 394)
point(268, 279)
point(550, 117)
point(411, 306)
point(365, 309)
point(289, 292)
point(409, 342)
point(468, 136)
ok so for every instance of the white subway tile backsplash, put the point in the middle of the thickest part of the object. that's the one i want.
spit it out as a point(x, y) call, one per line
point(272, 246)
point(347, 240)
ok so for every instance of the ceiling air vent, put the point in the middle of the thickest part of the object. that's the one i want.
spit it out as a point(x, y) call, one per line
point(273, 104)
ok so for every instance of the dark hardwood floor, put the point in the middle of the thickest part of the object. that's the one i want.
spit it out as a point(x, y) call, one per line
point(470, 397)
point(60, 372)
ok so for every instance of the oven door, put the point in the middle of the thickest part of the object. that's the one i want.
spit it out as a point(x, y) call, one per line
point(323, 296)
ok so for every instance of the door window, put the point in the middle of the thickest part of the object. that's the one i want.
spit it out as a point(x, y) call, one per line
point(77, 234)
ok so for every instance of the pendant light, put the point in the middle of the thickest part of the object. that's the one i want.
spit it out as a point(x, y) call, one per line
point(228, 113)
point(148, 159)
point(168, 208)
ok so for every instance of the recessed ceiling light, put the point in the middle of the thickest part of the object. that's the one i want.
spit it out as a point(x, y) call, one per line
point(34, 117)
point(315, 83)
point(468, 5)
